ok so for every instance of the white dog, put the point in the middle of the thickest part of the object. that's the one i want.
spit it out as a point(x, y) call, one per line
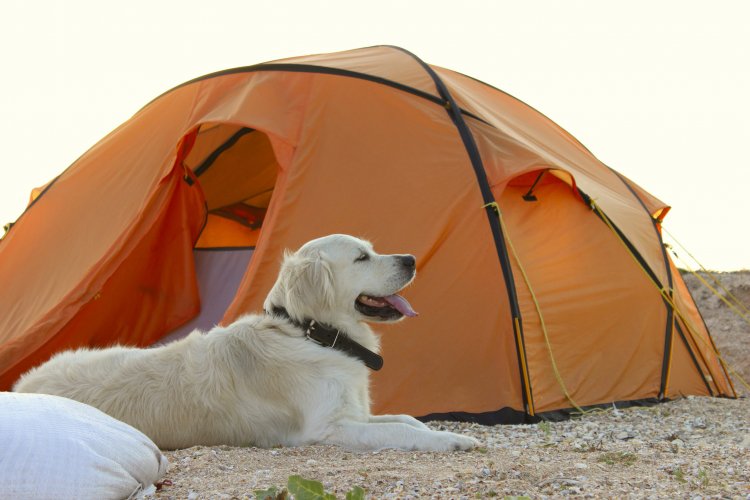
point(261, 381)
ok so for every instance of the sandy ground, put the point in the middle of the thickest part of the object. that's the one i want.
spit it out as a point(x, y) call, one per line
point(691, 448)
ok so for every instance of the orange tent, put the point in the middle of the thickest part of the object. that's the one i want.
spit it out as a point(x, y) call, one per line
point(543, 283)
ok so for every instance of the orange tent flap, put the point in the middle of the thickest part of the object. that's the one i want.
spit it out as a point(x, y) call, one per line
point(151, 292)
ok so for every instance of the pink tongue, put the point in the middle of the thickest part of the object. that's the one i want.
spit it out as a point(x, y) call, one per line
point(401, 304)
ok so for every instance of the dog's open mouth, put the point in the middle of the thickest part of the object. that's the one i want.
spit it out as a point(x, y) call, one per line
point(387, 308)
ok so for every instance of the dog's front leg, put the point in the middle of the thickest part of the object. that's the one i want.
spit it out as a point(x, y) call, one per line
point(404, 419)
point(379, 435)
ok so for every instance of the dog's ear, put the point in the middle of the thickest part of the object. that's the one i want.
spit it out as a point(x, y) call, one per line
point(309, 283)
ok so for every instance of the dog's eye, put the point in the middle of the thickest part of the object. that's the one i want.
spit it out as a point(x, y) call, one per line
point(362, 258)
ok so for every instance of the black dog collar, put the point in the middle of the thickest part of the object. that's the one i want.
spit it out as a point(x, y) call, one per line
point(328, 336)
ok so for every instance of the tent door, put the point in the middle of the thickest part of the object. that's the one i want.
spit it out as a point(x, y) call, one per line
point(237, 169)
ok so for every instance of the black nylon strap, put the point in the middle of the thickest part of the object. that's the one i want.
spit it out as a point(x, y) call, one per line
point(327, 336)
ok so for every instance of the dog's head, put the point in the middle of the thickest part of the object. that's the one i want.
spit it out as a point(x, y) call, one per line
point(338, 278)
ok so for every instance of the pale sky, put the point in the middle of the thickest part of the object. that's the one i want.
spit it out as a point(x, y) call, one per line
point(658, 90)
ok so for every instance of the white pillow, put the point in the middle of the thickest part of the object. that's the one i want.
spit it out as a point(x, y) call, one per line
point(57, 448)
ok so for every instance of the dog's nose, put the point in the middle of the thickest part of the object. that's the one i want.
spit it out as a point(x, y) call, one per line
point(408, 261)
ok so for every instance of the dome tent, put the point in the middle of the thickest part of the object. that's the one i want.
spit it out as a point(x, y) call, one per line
point(542, 279)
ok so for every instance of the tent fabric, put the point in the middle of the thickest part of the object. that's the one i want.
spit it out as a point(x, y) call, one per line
point(376, 143)
point(581, 295)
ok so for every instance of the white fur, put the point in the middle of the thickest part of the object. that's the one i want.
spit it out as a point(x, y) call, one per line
point(258, 381)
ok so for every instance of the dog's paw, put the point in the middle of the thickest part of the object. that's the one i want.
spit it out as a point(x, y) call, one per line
point(465, 442)
point(450, 441)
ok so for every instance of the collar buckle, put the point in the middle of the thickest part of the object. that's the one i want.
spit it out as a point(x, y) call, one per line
point(322, 341)
point(310, 330)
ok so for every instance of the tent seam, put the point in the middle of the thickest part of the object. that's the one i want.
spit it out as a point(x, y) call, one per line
point(321, 70)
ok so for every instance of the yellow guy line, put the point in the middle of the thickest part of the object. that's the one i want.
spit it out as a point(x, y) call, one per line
point(688, 324)
point(713, 290)
point(737, 301)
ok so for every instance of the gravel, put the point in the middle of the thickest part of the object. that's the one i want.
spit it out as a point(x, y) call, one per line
point(695, 447)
